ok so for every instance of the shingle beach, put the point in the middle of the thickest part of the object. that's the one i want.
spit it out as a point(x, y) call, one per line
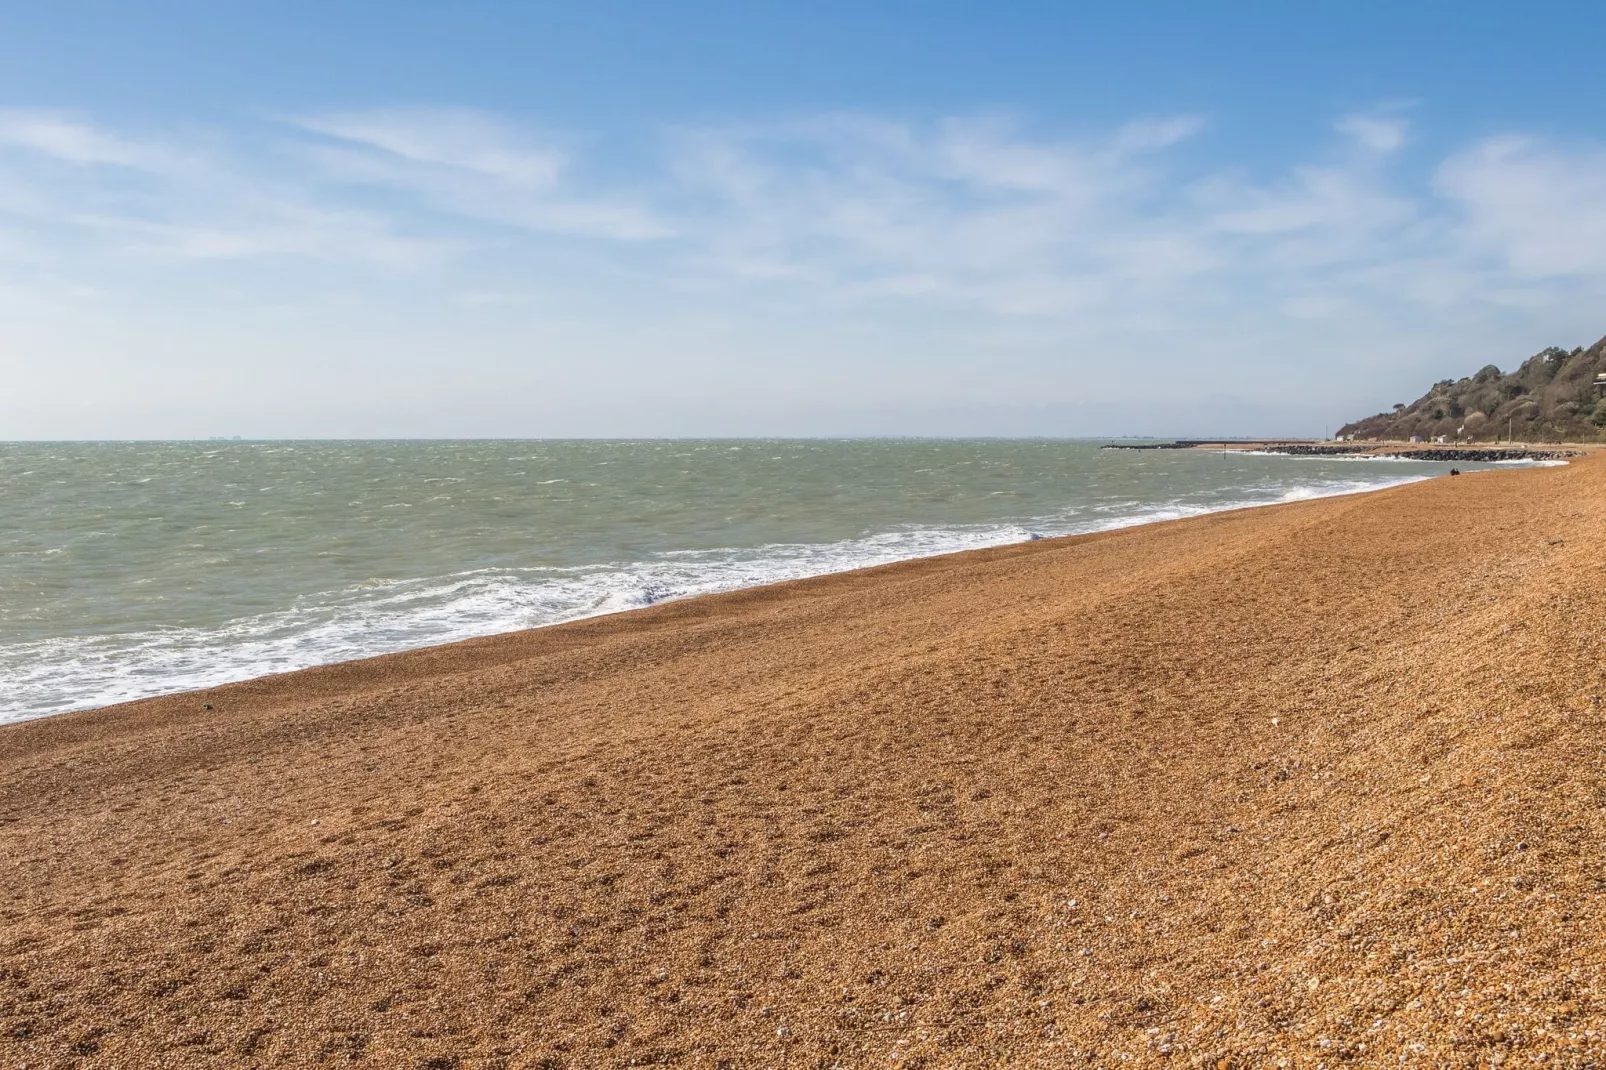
point(1319, 783)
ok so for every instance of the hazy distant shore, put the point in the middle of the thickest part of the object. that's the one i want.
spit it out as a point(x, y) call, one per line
point(1315, 781)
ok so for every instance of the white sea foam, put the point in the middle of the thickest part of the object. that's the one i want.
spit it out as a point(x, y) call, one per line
point(383, 616)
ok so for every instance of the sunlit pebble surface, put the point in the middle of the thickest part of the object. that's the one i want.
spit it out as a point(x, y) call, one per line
point(1312, 786)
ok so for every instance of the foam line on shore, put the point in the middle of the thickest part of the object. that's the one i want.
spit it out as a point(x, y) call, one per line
point(59, 675)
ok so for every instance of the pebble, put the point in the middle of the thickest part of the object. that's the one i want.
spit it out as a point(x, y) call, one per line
point(1054, 767)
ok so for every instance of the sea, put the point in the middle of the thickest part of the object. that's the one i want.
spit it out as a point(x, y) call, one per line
point(143, 568)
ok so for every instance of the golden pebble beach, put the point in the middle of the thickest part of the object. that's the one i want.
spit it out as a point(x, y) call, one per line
point(1319, 783)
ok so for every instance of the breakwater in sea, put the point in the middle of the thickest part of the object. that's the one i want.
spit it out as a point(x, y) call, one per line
point(1483, 456)
point(1180, 444)
point(1312, 449)
point(1462, 454)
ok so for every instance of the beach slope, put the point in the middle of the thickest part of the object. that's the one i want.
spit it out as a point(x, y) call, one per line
point(1320, 781)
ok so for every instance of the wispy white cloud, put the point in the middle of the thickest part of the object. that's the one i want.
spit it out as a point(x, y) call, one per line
point(271, 228)
point(1298, 229)
point(175, 200)
point(1376, 132)
point(475, 166)
point(970, 211)
point(978, 213)
point(1142, 135)
point(63, 137)
point(453, 138)
point(954, 261)
point(1539, 210)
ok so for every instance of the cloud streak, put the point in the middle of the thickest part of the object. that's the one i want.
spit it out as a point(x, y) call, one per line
point(62, 137)
point(450, 138)
point(1536, 211)
point(1374, 132)
point(981, 214)
point(471, 165)
point(970, 211)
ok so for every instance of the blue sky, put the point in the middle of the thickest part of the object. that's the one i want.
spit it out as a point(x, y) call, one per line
point(608, 219)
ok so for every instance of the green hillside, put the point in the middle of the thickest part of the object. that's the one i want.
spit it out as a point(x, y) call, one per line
point(1550, 398)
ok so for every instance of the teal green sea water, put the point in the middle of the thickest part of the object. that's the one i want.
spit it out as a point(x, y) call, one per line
point(133, 569)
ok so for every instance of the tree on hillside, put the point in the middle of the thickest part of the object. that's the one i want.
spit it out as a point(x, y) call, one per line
point(1551, 395)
